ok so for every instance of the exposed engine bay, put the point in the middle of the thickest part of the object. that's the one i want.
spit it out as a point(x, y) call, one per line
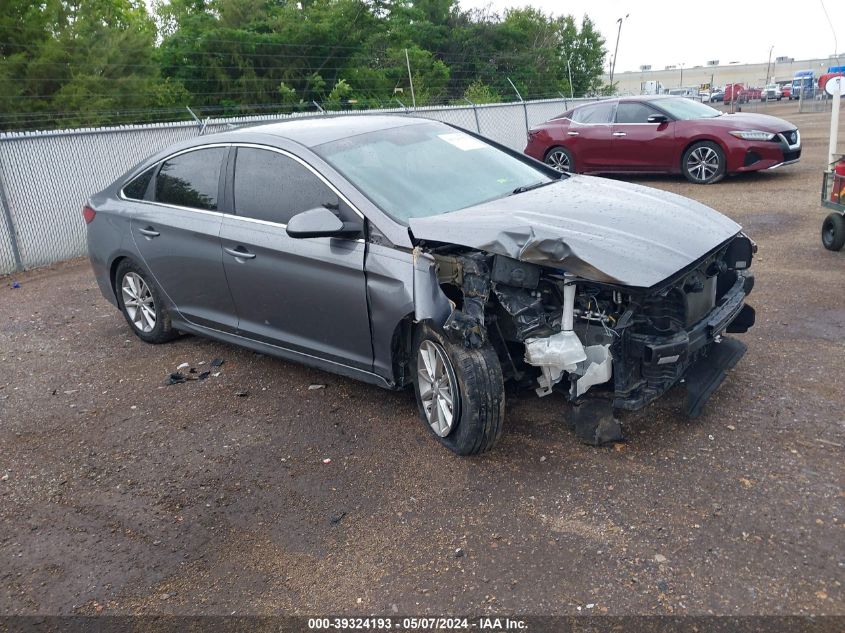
point(555, 331)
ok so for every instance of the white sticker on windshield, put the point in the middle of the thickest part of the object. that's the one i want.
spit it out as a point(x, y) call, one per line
point(462, 141)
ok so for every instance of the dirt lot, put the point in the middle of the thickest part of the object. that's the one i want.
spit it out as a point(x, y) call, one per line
point(119, 494)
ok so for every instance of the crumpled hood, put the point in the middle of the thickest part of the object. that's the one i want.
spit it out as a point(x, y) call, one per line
point(599, 229)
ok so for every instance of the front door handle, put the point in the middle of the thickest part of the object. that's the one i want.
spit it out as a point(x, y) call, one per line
point(574, 133)
point(239, 254)
point(619, 134)
point(149, 232)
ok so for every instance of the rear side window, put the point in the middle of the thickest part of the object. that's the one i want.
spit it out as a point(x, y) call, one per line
point(598, 113)
point(191, 179)
point(273, 187)
point(137, 188)
point(633, 113)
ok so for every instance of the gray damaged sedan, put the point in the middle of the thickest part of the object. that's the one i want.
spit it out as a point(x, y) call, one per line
point(402, 251)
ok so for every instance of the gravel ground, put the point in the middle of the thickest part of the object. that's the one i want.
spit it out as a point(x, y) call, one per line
point(119, 494)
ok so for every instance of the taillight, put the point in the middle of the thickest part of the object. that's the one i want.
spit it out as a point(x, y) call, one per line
point(88, 213)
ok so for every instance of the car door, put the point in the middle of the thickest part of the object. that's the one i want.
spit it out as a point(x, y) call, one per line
point(639, 145)
point(589, 137)
point(177, 233)
point(306, 295)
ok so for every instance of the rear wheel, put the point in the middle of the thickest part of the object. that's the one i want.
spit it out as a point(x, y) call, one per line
point(460, 392)
point(703, 163)
point(833, 232)
point(561, 159)
point(141, 304)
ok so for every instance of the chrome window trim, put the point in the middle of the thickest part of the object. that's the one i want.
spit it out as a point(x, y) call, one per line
point(123, 196)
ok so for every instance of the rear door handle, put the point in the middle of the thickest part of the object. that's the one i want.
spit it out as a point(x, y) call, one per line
point(239, 254)
point(149, 232)
point(619, 134)
point(574, 133)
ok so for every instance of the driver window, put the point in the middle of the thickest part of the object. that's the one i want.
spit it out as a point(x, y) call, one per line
point(634, 113)
point(273, 187)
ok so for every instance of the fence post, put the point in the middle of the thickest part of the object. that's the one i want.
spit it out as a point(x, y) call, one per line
point(475, 112)
point(13, 233)
point(524, 106)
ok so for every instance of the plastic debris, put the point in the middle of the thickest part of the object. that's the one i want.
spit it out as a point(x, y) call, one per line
point(176, 378)
point(183, 366)
point(16, 284)
point(242, 394)
point(337, 518)
point(327, 460)
point(203, 375)
point(217, 362)
point(315, 387)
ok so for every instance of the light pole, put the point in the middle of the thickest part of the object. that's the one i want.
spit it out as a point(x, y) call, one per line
point(616, 50)
point(569, 68)
point(681, 85)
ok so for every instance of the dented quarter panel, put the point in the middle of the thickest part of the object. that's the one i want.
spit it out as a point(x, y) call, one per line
point(596, 228)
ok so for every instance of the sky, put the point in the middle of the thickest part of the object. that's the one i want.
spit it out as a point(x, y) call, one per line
point(674, 32)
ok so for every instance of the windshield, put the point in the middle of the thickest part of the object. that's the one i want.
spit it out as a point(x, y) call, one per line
point(685, 109)
point(414, 171)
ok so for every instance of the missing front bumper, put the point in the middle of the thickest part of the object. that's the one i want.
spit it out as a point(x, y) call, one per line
point(706, 374)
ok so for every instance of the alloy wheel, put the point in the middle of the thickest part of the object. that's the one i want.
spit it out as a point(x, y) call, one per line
point(559, 160)
point(138, 301)
point(438, 388)
point(703, 163)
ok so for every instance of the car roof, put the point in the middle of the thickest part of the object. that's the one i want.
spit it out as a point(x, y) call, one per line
point(631, 98)
point(316, 130)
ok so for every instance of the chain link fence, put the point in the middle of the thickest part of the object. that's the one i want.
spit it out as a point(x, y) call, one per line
point(45, 177)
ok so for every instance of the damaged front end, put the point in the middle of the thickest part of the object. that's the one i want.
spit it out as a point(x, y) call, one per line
point(556, 331)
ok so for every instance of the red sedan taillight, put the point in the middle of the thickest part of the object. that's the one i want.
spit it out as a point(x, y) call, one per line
point(88, 213)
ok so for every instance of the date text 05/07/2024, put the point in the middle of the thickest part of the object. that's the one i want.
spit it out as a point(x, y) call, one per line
point(490, 624)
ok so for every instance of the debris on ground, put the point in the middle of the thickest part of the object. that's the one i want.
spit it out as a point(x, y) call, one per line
point(327, 460)
point(242, 394)
point(315, 387)
point(459, 552)
point(177, 378)
point(337, 518)
point(16, 284)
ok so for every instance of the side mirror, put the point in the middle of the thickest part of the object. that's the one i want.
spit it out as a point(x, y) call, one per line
point(321, 222)
point(658, 118)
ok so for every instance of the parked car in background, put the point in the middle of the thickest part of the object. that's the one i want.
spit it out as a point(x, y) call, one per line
point(665, 135)
point(786, 91)
point(772, 92)
point(405, 252)
point(717, 96)
point(690, 93)
point(704, 96)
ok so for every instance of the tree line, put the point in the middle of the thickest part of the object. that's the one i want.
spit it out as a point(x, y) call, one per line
point(68, 63)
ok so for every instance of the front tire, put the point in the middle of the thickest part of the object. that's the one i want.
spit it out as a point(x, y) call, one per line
point(833, 232)
point(560, 159)
point(703, 163)
point(460, 392)
point(141, 304)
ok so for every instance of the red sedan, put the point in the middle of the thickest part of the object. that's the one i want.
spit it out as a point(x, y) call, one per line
point(658, 134)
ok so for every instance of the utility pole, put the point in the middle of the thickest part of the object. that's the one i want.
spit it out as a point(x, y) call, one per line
point(411, 80)
point(769, 64)
point(569, 68)
point(616, 50)
point(681, 85)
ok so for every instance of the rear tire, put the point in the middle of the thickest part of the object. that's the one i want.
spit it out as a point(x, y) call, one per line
point(141, 303)
point(471, 378)
point(703, 163)
point(560, 159)
point(833, 232)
